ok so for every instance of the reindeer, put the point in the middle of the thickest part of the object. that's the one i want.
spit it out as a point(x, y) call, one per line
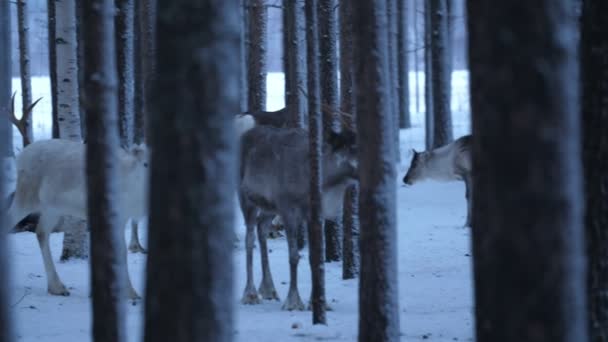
point(51, 181)
point(446, 163)
point(274, 180)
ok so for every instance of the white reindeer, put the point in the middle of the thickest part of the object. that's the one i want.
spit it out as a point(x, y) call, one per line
point(51, 181)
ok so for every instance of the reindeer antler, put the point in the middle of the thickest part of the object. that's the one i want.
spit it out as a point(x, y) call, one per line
point(21, 123)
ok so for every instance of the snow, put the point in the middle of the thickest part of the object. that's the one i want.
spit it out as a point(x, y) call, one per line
point(435, 279)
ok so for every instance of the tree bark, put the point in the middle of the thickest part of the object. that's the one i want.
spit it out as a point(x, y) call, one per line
point(442, 118)
point(80, 56)
point(594, 63)
point(350, 262)
point(138, 79)
point(190, 294)
point(428, 76)
point(378, 289)
point(125, 59)
point(415, 14)
point(527, 243)
point(391, 13)
point(315, 130)
point(53, 67)
point(147, 48)
point(257, 15)
point(24, 67)
point(101, 89)
point(6, 152)
point(294, 77)
point(328, 69)
point(403, 72)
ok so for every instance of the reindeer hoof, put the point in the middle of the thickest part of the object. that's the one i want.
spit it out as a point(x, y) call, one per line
point(137, 248)
point(59, 290)
point(250, 296)
point(293, 302)
point(269, 294)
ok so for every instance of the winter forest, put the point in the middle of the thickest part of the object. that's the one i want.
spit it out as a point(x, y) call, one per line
point(304, 170)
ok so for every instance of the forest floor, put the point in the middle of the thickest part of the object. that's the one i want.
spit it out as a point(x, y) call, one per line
point(434, 265)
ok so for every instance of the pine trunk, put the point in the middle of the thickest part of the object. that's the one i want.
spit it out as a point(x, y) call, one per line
point(403, 72)
point(80, 39)
point(350, 262)
point(125, 59)
point(428, 76)
point(6, 152)
point(190, 294)
point(101, 89)
point(24, 67)
point(257, 15)
point(417, 47)
point(53, 67)
point(315, 129)
point(442, 118)
point(528, 247)
point(378, 289)
point(138, 81)
point(147, 59)
point(594, 62)
point(294, 77)
point(393, 63)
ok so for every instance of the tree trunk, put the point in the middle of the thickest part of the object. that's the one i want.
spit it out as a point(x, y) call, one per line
point(403, 72)
point(53, 67)
point(80, 39)
point(147, 52)
point(328, 68)
point(450, 46)
point(527, 243)
point(442, 118)
point(315, 129)
point(24, 67)
point(393, 63)
point(190, 294)
point(294, 77)
point(257, 15)
point(378, 286)
point(350, 262)
point(138, 79)
point(428, 76)
point(244, 38)
point(594, 62)
point(101, 89)
point(6, 152)
point(125, 59)
point(417, 47)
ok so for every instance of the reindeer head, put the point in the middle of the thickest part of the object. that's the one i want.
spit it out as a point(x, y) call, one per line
point(416, 172)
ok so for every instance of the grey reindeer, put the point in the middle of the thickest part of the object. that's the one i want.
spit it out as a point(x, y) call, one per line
point(274, 180)
point(446, 163)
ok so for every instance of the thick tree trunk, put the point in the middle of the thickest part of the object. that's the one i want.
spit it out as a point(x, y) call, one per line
point(257, 15)
point(315, 129)
point(138, 79)
point(53, 67)
point(450, 46)
point(24, 67)
point(190, 292)
point(107, 277)
point(294, 77)
point(6, 152)
point(147, 58)
point(442, 118)
point(428, 76)
point(378, 289)
point(402, 61)
point(125, 59)
point(328, 68)
point(391, 6)
point(350, 262)
point(594, 62)
point(528, 246)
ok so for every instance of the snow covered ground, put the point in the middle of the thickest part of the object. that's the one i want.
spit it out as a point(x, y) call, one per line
point(435, 284)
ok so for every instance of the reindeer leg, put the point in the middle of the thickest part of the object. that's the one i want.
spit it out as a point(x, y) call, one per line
point(123, 260)
point(134, 245)
point(250, 295)
point(293, 300)
point(267, 289)
point(45, 225)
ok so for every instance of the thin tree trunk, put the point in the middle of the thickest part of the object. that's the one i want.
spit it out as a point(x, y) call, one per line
point(350, 262)
point(328, 68)
point(450, 46)
point(138, 79)
point(428, 76)
point(294, 78)
point(391, 13)
point(53, 67)
point(442, 118)
point(403, 72)
point(107, 278)
point(257, 15)
point(147, 48)
point(24, 67)
point(594, 62)
point(415, 14)
point(6, 152)
point(244, 38)
point(67, 70)
point(378, 286)
point(315, 129)
point(190, 294)
point(80, 39)
point(125, 59)
point(528, 248)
